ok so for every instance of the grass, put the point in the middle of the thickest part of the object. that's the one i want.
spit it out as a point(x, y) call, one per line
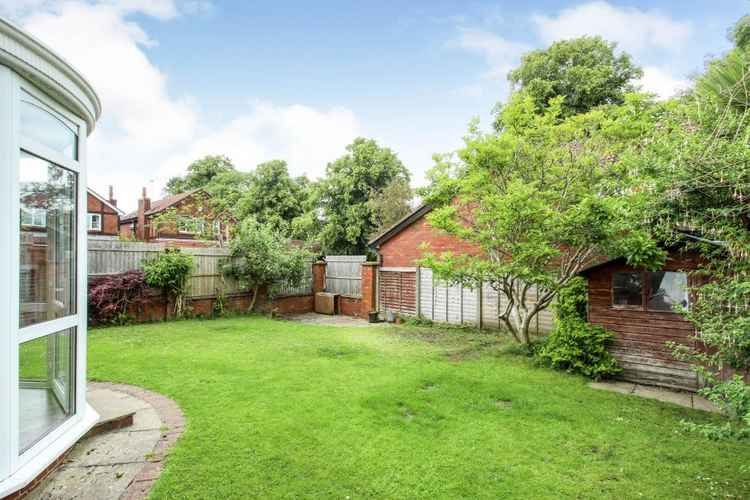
point(284, 410)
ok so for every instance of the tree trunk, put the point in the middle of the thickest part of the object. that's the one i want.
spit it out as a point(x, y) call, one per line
point(252, 301)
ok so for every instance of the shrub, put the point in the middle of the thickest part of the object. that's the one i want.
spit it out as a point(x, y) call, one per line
point(261, 257)
point(111, 297)
point(170, 272)
point(575, 345)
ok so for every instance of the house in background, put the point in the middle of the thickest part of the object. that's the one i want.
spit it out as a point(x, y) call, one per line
point(103, 215)
point(185, 219)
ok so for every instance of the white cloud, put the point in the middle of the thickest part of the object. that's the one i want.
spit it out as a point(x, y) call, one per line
point(661, 82)
point(147, 133)
point(501, 54)
point(306, 138)
point(634, 30)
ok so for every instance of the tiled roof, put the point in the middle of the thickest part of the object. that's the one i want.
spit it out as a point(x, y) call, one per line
point(158, 206)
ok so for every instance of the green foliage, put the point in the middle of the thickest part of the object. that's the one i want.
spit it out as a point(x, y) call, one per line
point(273, 197)
point(575, 345)
point(584, 71)
point(390, 204)
point(170, 271)
point(199, 174)
point(261, 257)
point(350, 181)
point(543, 198)
point(727, 81)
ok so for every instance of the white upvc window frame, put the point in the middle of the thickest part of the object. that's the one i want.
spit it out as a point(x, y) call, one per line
point(92, 216)
point(14, 466)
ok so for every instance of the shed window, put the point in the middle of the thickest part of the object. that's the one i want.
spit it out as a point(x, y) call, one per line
point(667, 290)
point(627, 290)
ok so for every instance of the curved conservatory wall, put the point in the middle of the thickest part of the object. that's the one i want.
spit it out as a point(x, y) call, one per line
point(47, 109)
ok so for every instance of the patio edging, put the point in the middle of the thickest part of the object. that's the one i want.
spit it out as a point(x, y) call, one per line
point(172, 418)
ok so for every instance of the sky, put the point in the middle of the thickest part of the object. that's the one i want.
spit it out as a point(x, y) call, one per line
point(299, 80)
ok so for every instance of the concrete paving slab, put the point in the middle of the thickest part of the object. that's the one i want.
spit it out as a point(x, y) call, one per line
point(122, 463)
point(325, 319)
point(679, 398)
point(701, 403)
point(114, 448)
point(101, 482)
point(614, 386)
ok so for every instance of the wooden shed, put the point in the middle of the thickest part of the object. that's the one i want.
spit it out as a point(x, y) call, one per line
point(638, 307)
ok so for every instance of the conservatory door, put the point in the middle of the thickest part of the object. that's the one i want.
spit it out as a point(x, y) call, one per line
point(48, 199)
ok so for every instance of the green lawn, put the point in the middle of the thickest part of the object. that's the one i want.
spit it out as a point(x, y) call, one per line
point(282, 410)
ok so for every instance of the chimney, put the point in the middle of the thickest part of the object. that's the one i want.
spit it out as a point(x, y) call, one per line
point(112, 200)
point(144, 205)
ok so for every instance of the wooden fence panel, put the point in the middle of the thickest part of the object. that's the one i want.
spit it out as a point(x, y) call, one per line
point(344, 274)
point(112, 257)
point(304, 288)
point(463, 305)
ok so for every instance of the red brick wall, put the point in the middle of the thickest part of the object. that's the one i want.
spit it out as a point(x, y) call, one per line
point(403, 250)
point(110, 218)
point(351, 306)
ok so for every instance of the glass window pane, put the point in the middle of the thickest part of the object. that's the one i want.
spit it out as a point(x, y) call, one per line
point(668, 290)
point(46, 374)
point(627, 289)
point(47, 128)
point(48, 241)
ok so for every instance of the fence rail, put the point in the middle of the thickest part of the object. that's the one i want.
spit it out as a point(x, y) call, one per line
point(344, 274)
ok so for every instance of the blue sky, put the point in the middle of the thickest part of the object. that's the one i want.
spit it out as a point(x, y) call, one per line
point(299, 80)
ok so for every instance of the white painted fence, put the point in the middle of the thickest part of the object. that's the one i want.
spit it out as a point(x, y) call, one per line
point(344, 274)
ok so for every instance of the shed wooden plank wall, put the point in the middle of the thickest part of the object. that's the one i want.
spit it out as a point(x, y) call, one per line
point(641, 336)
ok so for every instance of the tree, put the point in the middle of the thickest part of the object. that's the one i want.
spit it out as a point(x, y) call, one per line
point(543, 199)
point(350, 181)
point(261, 257)
point(584, 71)
point(390, 204)
point(199, 174)
point(170, 271)
point(272, 197)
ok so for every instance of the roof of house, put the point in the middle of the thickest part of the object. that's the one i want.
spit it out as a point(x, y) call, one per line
point(399, 226)
point(159, 206)
point(105, 201)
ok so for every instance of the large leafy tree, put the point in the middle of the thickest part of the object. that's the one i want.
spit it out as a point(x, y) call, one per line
point(390, 204)
point(273, 197)
point(586, 72)
point(345, 192)
point(200, 173)
point(543, 199)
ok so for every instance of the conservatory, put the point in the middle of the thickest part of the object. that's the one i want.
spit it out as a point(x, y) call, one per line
point(47, 110)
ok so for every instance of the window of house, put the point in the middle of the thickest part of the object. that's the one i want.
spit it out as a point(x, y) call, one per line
point(627, 290)
point(95, 222)
point(667, 290)
point(32, 216)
